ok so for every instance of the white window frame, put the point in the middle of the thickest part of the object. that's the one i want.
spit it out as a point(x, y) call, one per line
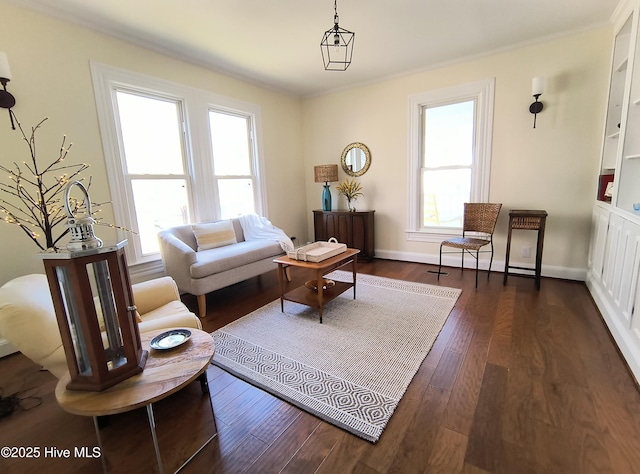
point(195, 105)
point(252, 143)
point(482, 92)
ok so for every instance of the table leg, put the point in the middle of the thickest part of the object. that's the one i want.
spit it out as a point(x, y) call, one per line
point(506, 258)
point(103, 421)
point(152, 425)
point(320, 284)
point(354, 265)
point(204, 383)
point(539, 247)
point(206, 442)
point(96, 425)
point(281, 282)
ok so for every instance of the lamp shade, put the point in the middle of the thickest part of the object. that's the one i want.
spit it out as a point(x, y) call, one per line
point(5, 70)
point(537, 85)
point(325, 173)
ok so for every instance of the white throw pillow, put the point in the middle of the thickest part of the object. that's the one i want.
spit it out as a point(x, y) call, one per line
point(215, 234)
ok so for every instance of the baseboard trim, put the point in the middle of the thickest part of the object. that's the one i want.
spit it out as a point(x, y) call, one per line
point(565, 273)
point(6, 348)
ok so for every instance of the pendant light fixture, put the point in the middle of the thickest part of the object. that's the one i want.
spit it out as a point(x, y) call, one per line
point(337, 45)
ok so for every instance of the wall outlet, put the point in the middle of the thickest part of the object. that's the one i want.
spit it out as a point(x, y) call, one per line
point(526, 252)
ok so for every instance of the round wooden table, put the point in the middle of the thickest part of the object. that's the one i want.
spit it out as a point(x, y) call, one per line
point(165, 372)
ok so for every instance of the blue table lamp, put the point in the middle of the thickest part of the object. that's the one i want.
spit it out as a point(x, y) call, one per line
point(326, 174)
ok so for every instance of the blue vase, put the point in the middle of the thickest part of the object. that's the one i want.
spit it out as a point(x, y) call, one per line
point(326, 198)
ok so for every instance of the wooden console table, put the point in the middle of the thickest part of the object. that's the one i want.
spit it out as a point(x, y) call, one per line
point(165, 373)
point(353, 228)
point(526, 220)
point(317, 299)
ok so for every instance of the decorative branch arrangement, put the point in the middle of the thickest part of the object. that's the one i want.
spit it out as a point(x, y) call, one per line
point(351, 189)
point(37, 193)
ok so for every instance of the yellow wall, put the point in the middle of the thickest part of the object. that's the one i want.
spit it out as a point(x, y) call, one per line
point(553, 167)
point(51, 78)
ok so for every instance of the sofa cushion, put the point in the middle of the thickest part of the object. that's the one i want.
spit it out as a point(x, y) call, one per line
point(233, 256)
point(214, 234)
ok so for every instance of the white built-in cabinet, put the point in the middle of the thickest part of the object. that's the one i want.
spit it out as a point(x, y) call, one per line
point(616, 97)
point(614, 255)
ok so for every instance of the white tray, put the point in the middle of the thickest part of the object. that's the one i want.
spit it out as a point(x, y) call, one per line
point(318, 251)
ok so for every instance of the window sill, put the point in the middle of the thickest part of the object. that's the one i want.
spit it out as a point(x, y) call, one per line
point(146, 271)
point(432, 235)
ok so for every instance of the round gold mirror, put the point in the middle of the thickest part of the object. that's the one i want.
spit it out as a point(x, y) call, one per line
point(356, 159)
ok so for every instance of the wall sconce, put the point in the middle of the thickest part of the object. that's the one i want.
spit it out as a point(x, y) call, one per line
point(326, 174)
point(537, 88)
point(6, 99)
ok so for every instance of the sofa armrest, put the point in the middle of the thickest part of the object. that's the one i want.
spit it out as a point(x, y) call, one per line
point(183, 320)
point(153, 294)
point(177, 257)
point(28, 321)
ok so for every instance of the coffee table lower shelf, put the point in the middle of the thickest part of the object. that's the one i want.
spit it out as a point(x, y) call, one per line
point(304, 295)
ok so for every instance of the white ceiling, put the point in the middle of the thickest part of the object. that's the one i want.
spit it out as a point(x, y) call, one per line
point(277, 43)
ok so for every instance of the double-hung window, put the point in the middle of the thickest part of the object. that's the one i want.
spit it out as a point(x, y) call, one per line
point(156, 183)
point(450, 154)
point(231, 144)
point(175, 155)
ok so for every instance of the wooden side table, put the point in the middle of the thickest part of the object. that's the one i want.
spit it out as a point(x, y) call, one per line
point(165, 373)
point(526, 220)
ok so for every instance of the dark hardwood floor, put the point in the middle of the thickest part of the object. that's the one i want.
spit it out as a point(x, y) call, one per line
point(518, 381)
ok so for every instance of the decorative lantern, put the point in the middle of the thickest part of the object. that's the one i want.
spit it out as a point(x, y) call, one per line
point(81, 228)
point(93, 301)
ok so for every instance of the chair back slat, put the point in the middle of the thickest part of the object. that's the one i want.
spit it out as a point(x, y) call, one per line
point(480, 217)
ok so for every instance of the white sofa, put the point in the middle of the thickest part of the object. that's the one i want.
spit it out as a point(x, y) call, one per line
point(28, 320)
point(202, 271)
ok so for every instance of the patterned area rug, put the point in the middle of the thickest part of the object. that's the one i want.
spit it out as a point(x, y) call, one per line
point(351, 370)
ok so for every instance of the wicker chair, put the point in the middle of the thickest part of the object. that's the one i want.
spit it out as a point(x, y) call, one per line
point(479, 219)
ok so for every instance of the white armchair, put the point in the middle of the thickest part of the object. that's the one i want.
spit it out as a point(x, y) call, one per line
point(28, 319)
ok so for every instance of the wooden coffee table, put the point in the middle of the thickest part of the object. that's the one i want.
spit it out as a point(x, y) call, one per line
point(165, 372)
point(317, 299)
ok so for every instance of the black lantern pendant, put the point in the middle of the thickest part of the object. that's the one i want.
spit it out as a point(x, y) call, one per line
point(337, 45)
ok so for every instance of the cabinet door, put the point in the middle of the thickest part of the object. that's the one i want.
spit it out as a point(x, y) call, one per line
point(611, 263)
point(629, 257)
point(600, 224)
point(319, 226)
point(360, 227)
point(334, 224)
point(343, 229)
